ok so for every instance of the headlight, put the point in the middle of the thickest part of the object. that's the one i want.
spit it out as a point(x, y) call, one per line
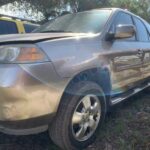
point(21, 54)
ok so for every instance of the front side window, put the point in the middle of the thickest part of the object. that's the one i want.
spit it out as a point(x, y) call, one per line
point(84, 22)
point(8, 27)
point(141, 30)
point(122, 19)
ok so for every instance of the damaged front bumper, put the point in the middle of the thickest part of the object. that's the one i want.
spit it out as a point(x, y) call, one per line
point(29, 97)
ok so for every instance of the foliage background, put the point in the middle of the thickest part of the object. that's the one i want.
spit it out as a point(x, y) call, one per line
point(45, 9)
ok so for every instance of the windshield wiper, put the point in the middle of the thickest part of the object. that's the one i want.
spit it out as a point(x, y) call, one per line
point(55, 31)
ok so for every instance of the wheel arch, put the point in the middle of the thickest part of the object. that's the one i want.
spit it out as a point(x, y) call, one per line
point(100, 76)
point(68, 104)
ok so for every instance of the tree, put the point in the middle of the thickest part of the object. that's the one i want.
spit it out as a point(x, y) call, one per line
point(81, 5)
point(54, 8)
point(3, 2)
point(139, 7)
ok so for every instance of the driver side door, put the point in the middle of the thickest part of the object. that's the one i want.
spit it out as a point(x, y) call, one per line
point(126, 59)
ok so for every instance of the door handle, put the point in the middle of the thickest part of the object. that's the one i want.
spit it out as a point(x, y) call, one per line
point(140, 52)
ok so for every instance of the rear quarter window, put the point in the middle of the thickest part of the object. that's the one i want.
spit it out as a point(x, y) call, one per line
point(29, 27)
point(8, 27)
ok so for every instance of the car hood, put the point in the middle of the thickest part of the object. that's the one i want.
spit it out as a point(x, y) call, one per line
point(35, 37)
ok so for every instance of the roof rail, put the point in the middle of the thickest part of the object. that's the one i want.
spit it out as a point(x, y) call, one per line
point(17, 18)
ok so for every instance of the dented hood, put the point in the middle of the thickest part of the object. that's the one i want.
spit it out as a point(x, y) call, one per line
point(35, 37)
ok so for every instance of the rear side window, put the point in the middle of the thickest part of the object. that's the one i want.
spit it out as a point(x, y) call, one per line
point(141, 30)
point(29, 28)
point(8, 27)
point(148, 29)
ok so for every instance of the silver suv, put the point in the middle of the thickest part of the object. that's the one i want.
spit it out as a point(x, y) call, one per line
point(67, 75)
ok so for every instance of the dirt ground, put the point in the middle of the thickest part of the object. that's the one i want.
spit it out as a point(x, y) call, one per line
point(127, 127)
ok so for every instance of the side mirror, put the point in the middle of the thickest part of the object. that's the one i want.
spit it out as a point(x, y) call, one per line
point(124, 31)
point(121, 32)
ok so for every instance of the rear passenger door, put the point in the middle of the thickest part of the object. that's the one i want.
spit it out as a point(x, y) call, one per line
point(8, 27)
point(144, 43)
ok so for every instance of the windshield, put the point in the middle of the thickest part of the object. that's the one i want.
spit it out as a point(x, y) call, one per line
point(84, 22)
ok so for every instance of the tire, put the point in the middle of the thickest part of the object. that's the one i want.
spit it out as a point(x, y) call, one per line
point(71, 131)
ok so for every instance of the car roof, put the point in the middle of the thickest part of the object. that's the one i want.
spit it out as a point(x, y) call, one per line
point(119, 9)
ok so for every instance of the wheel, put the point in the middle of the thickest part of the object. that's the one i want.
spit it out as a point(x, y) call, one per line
point(81, 112)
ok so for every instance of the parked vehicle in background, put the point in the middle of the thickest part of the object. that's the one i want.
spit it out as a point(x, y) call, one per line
point(66, 76)
point(14, 25)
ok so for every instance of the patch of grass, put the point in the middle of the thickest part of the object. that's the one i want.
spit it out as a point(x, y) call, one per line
point(127, 127)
